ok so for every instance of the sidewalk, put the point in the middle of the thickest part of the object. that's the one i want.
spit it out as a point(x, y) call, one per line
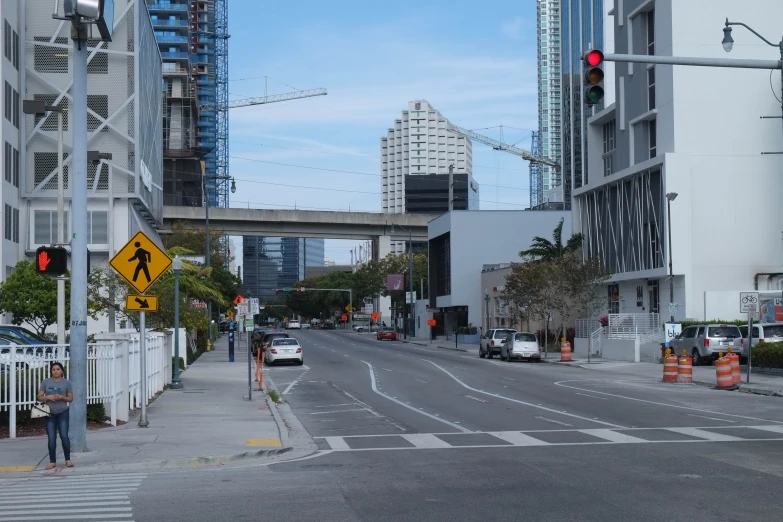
point(206, 423)
point(761, 382)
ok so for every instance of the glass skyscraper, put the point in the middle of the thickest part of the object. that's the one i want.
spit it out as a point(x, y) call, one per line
point(548, 145)
point(582, 28)
point(269, 263)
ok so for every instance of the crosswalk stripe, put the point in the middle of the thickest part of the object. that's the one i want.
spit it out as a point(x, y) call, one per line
point(536, 438)
point(73, 497)
point(425, 440)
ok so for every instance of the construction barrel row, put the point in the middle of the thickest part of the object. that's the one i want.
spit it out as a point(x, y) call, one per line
point(680, 369)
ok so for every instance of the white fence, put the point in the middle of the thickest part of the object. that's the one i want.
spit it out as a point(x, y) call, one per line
point(629, 326)
point(113, 374)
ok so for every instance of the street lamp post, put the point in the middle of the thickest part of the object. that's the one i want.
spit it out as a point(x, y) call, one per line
point(208, 246)
point(671, 196)
point(410, 280)
point(176, 383)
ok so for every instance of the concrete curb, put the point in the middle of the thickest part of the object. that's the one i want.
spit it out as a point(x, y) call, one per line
point(453, 349)
point(282, 430)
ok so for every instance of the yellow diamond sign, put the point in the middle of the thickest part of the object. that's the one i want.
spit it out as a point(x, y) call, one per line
point(349, 308)
point(141, 262)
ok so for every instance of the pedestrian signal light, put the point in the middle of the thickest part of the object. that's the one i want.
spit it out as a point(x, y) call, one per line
point(593, 76)
point(51, 261)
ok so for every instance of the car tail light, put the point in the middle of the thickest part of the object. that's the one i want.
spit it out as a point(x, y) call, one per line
point(298, 350)
point(493, 343)
point(273, 350)
point(742, 342)
point(706, 341)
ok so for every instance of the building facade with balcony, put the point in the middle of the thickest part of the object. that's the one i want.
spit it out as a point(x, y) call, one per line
point(663, 135)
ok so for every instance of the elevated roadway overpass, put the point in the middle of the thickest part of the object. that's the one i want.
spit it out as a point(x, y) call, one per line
point(302, 223)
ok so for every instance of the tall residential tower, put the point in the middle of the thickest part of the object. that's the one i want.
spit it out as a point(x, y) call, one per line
point(543, 178)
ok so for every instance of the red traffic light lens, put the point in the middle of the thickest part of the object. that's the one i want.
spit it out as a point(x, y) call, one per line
point(594, 58)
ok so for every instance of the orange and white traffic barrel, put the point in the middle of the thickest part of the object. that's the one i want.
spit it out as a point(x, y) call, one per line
point(723, 372)
point(565, 351)
point(736, 376)
point(670, 368)
point(685, 369)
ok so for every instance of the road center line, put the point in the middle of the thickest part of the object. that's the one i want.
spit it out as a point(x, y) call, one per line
point(711, 418)
point(404, 405)
point(592, 396)
point(523, 402)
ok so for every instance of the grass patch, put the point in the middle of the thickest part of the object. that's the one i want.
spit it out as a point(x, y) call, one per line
point(274, 395)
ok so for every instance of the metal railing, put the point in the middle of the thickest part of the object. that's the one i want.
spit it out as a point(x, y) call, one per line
point(594, 346)
point(585, 327)
point(628, 326)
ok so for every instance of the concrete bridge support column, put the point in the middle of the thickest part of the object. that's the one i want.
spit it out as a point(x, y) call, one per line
point(381, 248)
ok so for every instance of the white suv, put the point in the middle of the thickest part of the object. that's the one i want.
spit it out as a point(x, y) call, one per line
point(294, 325)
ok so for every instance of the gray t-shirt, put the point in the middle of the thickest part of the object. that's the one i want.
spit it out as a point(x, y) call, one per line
point(51, 387)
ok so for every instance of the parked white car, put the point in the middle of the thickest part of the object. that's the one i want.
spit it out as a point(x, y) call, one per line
point(294, 325)
point(520, 345)
point(284, 350)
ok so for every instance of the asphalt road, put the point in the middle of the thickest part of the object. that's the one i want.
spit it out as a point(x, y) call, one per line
point(409, 433)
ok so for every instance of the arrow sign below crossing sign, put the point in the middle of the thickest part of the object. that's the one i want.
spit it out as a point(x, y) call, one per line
point(141, 303)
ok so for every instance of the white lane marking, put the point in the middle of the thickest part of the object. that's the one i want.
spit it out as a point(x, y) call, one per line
point(424, 382)
point(519, 439)
point(560, 383)
point(614, 436)
point(553, 421)
point(336, 411)
point(425, 440)
point(337, 443)
point(774, 429)
point(702, 434)
point(710, 418)
point(592, 396)
point(357, 401)
point(388, 370)
point(509, 379)
point(475, 398)
point(406, 405)
point(523, 402)
point(334, 405)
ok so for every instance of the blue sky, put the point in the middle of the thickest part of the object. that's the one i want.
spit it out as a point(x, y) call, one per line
point(476, 65)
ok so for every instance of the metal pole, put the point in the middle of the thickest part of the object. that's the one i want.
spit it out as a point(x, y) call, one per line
point(695, 61)
point(176, 382)
point(411, 319)
point(750, 345)
point(671, 266)
point(249, 371)
point(78, 183)
point(143, 423)
point(207, 256)
point(60, 232)
point(350, 314)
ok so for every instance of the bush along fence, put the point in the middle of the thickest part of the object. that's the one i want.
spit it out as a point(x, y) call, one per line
point(768, 355)
point(113, 374)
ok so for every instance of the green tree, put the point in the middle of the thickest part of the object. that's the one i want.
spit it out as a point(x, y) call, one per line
point(32, 297)
point(546, 250)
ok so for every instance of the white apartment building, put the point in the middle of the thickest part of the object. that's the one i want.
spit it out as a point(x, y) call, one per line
point(543, 178)
point(125, 104)
point(695, 132)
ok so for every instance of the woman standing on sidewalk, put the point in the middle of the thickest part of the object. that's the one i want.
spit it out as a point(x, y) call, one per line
point(56, 391)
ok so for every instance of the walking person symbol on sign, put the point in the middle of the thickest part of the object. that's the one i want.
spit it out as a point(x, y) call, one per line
point(142, 257)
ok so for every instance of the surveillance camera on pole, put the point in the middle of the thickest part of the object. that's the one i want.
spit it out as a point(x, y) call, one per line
point(97, 12)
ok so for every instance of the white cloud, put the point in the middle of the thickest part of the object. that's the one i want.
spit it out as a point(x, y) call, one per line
point(515, 28)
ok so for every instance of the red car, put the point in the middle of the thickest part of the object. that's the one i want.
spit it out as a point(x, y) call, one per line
point(386, 333)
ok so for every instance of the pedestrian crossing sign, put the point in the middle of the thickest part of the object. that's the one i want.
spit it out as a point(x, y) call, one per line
point(140, 262)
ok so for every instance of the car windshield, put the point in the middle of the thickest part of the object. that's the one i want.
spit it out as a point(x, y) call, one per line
point(723, 331)
point(387, 329)
point(502, 334)
point(285, 342)
point(525, 337)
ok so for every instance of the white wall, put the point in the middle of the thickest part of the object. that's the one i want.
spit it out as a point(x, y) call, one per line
point(488, 237)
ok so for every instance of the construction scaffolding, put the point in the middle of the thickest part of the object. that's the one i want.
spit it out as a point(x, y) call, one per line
point(536, 171)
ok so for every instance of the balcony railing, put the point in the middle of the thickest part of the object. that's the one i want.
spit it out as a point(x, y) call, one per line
point(176, 55)
point(170, 38)
point(167, 7)
point(170, 23)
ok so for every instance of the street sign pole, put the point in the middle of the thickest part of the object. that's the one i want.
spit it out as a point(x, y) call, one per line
point(143, 423)
point(750, 343)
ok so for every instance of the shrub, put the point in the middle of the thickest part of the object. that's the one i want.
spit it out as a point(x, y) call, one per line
point(768, 355)
point(736, 322)
point(96, 412)
point(467, 330)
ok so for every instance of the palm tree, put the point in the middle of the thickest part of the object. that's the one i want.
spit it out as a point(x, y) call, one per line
point(547, 250)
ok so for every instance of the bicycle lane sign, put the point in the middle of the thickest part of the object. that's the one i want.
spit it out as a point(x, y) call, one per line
point(749, 302)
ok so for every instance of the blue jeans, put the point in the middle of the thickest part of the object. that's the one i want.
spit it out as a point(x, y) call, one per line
point(54, 423)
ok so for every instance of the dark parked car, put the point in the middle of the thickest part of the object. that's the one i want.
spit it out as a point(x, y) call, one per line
point(22, 335)
point(266, 340)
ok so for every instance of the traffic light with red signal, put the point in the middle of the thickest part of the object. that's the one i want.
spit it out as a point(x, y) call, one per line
point(593, 62)
point(51, 261)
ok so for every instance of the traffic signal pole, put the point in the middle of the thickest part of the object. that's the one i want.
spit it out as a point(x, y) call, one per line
point(60, 232)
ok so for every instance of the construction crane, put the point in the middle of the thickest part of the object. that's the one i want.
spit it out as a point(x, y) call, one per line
point(272, 98)
point(499, 145)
